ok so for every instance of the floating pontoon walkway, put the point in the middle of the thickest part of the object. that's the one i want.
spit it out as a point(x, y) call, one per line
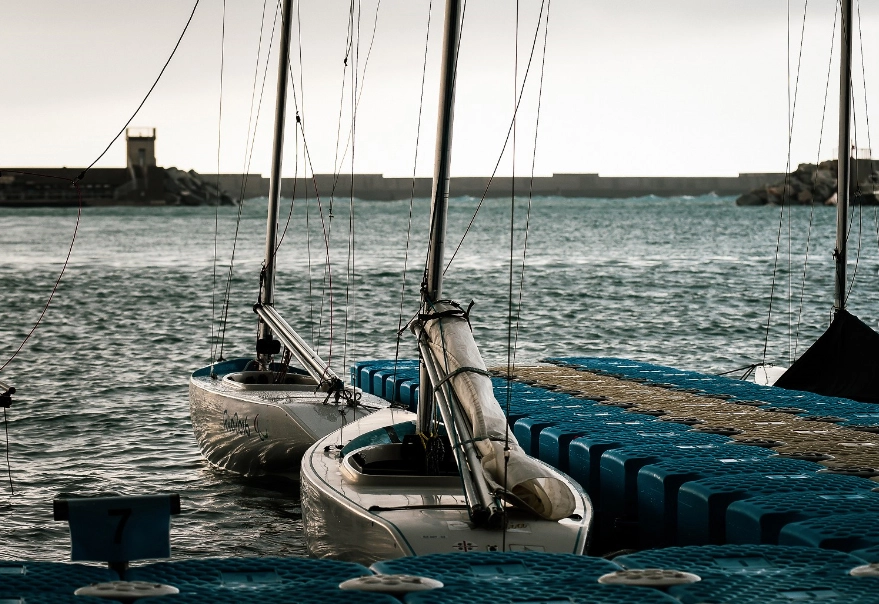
point(674, 457)
point(739, 574)
point(733, 493)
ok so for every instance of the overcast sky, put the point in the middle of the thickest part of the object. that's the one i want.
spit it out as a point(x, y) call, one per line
point(633, 87)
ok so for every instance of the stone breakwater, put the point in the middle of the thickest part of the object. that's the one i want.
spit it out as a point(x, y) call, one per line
point(817, 184)
point(149, 185)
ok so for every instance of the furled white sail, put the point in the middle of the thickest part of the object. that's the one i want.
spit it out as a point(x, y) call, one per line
point(451, 343)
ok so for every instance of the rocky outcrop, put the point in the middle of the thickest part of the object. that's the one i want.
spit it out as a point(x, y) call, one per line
point(816, 184)
point(190, 189)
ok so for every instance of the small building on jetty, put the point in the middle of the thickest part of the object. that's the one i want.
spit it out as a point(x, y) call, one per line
point(140, 182)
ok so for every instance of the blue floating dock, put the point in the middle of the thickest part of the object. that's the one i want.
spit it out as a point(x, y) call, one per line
point(844, 530)
point(662, 482)
point(42, 577)
point(762, 519)
point(619, 467)
point(486, 568)
point(659, 483)
point(267, 573)
point(702, 504)
point(777, 590)
point(560, 593)
point(869, 555)
point(745, 560)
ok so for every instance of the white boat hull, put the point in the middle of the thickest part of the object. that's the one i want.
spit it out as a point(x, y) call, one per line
point(370, 522)
point(262, 433)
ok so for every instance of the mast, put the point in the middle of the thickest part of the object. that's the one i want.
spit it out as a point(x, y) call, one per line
point(264, 346)
point(845, 160)
point(432, 288)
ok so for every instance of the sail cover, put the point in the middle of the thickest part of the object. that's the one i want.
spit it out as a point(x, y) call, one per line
point(843, 362)
point(452, 345)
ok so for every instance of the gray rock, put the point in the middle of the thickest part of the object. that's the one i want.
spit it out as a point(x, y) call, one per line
point(751, 199)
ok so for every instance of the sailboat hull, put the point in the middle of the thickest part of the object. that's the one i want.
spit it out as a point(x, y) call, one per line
point(261, 431)
point(369, 522)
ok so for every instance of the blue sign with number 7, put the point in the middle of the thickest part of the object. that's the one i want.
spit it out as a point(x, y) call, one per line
point(119, 529)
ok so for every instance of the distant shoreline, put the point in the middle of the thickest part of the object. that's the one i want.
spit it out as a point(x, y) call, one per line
point(101, 187)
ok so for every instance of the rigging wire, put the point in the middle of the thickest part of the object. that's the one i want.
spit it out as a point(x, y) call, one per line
point(307, 204)
point(509, 380)
point(866, 106)
point(511, 359)
point(350, 305)
point(217, 206)
point(792, 108)
point(860, 209)
point(300, 126)
point(412, 190)
point(337, 167)
point(349, 41)
point(149, 92)
point(251, 137)
point(75, 183)
point(292, 197)
point(817, 163)
point(869, 145)
point(864, 76)
point(531, 180)
point(8, 465)
point(328, 267)
point(786, 192)
point(506, 142)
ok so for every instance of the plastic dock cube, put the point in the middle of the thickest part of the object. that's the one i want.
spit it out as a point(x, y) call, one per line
point(702, 504)
point(844, 521)
point(735, 560)
point(777, 590)
point(489, 568)
point(659, 483)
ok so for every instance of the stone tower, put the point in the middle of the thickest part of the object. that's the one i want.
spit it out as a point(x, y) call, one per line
point(141, 148)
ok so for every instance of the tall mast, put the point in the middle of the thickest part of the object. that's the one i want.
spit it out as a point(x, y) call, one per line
point(432, 289)
point(267, 278)
point(845, 160)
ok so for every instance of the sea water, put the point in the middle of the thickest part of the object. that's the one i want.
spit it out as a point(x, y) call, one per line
point(102, 404)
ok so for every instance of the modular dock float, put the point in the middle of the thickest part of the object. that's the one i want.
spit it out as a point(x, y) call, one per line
point(673, 457)
point(706, 489)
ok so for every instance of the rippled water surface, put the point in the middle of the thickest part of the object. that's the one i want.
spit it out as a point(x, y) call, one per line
point(102, 386)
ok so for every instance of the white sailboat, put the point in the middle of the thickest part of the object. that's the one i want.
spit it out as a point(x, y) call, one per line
point(451, 477)
point(254, 416)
